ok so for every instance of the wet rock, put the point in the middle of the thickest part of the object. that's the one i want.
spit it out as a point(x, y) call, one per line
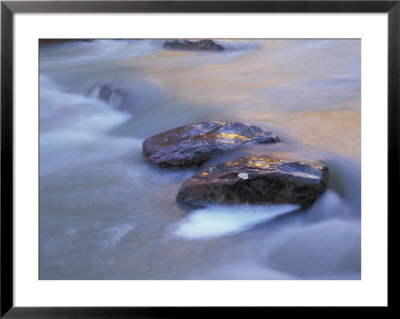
point(111, 95)
point(105, 92)
point(256, 180)
point(192, 145)
point(193, 45)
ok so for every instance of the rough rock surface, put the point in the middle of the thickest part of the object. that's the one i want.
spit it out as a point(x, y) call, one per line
point(192, 145)
point(193, 45)
point(256, 180)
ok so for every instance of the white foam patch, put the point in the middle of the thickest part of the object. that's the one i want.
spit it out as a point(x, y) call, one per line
point(219, 221)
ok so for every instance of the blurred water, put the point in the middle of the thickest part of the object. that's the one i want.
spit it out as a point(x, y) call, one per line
point(218, 221)
point(105, 214)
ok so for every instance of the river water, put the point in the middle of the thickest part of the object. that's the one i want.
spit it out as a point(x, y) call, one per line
point(106, 214)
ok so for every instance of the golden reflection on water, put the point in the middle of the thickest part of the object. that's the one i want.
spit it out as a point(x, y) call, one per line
point(308, 90)
point(337, 131)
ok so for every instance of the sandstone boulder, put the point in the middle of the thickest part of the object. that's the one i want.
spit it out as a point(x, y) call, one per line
point(192, 145)
point(256, 180)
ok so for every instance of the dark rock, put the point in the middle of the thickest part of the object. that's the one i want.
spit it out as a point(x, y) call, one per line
point(112, 95)
point(192, 145)
point(105, 92)
point(193, 45)
point(256, 180)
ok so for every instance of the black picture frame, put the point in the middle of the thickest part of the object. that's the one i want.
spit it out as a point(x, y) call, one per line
point(9, 8)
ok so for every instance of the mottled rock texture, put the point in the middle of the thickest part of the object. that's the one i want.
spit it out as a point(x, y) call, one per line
point(192, 145)
point(256, 180)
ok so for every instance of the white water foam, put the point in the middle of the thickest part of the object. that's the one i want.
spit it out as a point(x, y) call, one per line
point(219, 221)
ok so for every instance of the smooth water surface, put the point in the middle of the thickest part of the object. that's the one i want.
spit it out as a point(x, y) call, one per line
point(106, 214)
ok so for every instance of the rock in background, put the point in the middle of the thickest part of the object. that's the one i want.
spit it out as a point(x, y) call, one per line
point(209, 45)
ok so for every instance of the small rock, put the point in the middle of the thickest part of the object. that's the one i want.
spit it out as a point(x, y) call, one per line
point(192, 145)
point(193, 45)
point(256, 180)
point(105, 92)
point(112, 95)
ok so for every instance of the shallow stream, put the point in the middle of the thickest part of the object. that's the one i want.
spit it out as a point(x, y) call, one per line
point(106, 214)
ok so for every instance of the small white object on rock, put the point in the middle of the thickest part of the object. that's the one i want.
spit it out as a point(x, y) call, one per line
point(243, 175)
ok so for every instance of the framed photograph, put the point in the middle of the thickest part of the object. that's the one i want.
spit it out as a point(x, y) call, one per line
point(172, 158)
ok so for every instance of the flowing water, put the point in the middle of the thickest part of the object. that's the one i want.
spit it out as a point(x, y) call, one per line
point(106, 214)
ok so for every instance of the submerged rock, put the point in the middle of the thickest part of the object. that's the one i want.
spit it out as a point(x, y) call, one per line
point(112, 95)
point(192, 145)
point(193, 45)
point(320, 251)
point(256, 180)
point(105, 92)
